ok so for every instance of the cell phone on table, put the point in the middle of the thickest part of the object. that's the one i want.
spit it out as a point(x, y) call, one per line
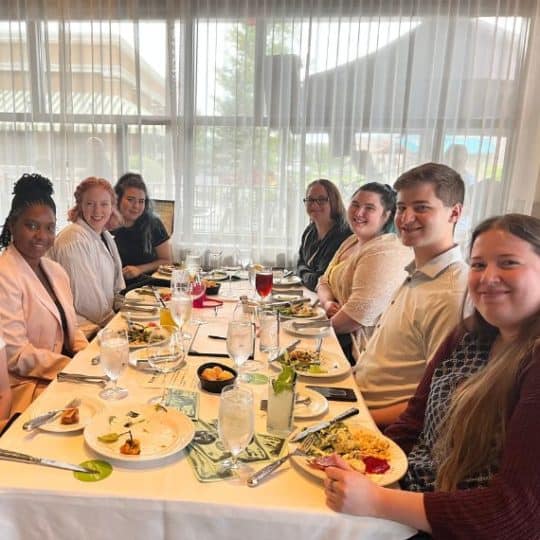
point(335, 393)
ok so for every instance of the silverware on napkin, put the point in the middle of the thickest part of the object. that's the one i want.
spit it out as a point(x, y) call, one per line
point(49, 415)
point(9, 455)
point(322, 425)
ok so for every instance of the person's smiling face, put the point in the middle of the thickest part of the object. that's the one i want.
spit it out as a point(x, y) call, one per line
point(96, 207)
point(33, 232)
point(504, 280)
point(317, 204)
point(367, 215)
point(132, 204)
point(423, 221)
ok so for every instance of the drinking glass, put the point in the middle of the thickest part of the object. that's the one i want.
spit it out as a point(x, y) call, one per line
point(215, 260)
point(114, 356)
point(165, 354)
point(193, 263)
point(236, 421)
point(180, 307)
point(240, 342)
point(188, 282)
point(268, 332)
point(263, 282)
point(280, 407)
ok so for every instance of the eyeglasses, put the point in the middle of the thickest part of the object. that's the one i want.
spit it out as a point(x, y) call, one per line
point(318, 202)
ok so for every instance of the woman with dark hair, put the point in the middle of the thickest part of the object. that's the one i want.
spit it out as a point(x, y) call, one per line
point(37, 319)
point(325, 232)
point(471, 429)
point(366, 269)
point(143, 241)
point(87, 251)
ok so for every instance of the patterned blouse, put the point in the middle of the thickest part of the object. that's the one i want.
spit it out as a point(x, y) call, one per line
point(468, 357)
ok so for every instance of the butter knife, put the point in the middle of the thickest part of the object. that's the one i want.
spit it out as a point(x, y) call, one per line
point(49, 415)
point(9, 455)
point(322, 425)
point(323, 323)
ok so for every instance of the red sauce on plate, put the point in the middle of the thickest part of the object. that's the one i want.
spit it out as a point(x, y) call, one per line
point(375, 465)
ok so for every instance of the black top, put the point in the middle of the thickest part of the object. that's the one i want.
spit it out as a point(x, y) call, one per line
point(315, 255)
point(131, 242)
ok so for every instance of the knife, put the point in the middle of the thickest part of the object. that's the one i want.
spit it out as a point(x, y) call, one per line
point(312, 324)
point(48, 416)
point(288, 348)
point(322, 425)
point(9, 455)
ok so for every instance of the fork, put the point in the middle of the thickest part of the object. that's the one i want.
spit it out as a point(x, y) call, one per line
point(49, 415)
point(302, 450)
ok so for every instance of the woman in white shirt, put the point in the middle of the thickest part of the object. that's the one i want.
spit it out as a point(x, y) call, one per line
point(366, 269)
point(89, 255)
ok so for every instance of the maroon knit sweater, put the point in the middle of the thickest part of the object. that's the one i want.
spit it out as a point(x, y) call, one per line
point(509, 507)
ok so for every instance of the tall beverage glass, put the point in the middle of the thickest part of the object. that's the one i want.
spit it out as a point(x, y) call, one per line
point(114, 356)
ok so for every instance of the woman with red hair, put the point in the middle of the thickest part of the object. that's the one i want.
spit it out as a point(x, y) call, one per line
point(88, 253)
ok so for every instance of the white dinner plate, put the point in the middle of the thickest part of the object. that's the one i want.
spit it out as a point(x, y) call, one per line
point(317, 406)
point(145, 296)
point(289, 281)
point(398, 462)
point(134, 346)
point(161, 433)
point(334, 365)
point(142, 354)
point(305, 332)
point(88, 407)
point(317, 313)
point(216, 275)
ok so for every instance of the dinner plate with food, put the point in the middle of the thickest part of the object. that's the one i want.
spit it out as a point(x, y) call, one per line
point(71, 419)
point(309, 363)
point(143, 335)
point(289, 281)
point(301, 311)
point(138, 432)
point(145, 295)
point(364, 449)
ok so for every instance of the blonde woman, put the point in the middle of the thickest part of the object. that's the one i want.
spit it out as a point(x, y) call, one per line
point(88, 253)
point(471, 430)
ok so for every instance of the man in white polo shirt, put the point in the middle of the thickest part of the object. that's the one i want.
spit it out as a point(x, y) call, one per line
point(427, 306)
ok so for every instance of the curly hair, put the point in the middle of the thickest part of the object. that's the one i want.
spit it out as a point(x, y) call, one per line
point(75, 212)
point(29, 190)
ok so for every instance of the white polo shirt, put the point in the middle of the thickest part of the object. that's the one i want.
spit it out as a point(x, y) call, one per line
point(424, 310)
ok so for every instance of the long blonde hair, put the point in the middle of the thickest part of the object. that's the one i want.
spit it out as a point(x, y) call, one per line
point(474, 429)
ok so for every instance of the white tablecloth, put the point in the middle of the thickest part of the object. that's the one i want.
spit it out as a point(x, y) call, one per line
point(164, 500)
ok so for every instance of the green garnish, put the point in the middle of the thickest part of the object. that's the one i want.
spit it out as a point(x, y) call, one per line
point(316, 368)
point(285, 380)
point(101, 469)
point(112, 437)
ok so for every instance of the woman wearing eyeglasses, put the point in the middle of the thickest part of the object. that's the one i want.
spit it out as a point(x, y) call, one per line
point(366, 269)
point(324, 234)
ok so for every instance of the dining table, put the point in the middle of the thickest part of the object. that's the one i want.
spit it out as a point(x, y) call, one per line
point(163, 498)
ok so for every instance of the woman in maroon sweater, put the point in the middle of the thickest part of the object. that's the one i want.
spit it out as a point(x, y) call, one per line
point(471, 431)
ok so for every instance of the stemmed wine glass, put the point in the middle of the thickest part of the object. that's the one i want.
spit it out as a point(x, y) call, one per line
point(165, 354)
point(236, 422)
point(180, 307)
point(264, 282)
point(114, 356)
point(240, 342)
point(188, 281)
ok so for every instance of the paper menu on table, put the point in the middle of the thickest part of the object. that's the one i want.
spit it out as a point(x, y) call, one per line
point(203, 345)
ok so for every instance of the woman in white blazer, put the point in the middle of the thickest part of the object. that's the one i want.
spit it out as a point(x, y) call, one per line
point(37, 318)
point(88, 253)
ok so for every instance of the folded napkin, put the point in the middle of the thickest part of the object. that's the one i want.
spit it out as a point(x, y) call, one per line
point(185, 401)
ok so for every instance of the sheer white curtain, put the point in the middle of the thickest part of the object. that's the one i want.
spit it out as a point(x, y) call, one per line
point(231, 107)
